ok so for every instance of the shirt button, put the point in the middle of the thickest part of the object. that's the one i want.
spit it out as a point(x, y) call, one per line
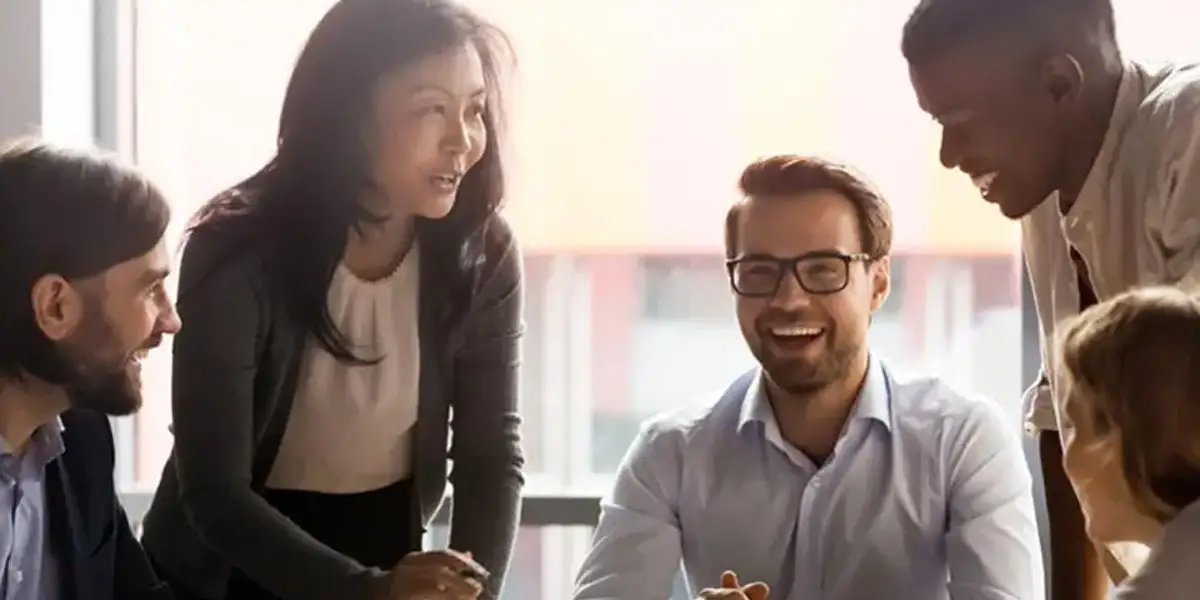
point(19, 576)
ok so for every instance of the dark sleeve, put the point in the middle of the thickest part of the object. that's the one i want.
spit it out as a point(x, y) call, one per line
point(486, 449)
point(133, 576)
point(223, 308)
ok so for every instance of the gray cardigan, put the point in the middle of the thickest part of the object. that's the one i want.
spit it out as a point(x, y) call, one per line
point(234, 377)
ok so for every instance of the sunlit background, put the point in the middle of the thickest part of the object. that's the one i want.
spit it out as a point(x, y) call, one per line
point(631, 122)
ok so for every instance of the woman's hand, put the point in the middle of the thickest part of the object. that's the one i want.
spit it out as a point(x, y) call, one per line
point(436, 575)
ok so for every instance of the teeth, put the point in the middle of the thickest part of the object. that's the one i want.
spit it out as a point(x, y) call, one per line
point(984, 182)
point(796, 331)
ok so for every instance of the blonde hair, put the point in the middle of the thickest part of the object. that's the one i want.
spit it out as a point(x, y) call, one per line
point(1135, 362)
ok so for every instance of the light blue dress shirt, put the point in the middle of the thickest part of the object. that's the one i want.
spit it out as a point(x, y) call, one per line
point(27, 567)
point(926, 496)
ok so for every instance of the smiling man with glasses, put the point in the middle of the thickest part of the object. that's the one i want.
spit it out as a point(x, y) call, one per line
point(821, 474)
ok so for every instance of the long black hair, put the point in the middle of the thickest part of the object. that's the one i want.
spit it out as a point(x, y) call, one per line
point(301, 206)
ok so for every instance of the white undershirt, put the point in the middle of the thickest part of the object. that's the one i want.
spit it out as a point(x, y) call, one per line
point(350, 428)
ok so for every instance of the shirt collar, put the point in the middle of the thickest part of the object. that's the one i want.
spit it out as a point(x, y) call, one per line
point(1130, 94)
point(873, 402)
point(46, 444)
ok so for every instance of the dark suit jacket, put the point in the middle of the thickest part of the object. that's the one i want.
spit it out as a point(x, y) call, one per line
point(236, 362)
point(98, 556)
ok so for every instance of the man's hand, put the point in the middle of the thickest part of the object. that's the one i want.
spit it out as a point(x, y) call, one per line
point(731, 589)
point(437, 575)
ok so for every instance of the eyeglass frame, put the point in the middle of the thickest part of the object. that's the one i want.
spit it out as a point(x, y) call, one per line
point(793, 265)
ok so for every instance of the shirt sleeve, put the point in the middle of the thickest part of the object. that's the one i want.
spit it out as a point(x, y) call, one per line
point(637, 547)
point(1173, 217)
point(1040, 414)
point(1038, 400)
point(992, 542)
point(488, 477)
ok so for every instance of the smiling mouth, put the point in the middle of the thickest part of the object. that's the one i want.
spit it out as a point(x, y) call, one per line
point(796, 331)
point(984, 182)
point(446, 182)
point(794, 338)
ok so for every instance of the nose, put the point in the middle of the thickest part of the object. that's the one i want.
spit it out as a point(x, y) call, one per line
point(790, 295)
point(458, 137)
point(169, 322)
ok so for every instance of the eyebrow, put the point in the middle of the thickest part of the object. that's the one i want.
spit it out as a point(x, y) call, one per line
point(821, 253)
point(153, 276)
point(423, 89)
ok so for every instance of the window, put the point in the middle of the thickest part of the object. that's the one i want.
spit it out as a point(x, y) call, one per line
point(632, 120)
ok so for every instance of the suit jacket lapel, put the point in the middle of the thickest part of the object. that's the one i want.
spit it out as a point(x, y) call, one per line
point(66, 527)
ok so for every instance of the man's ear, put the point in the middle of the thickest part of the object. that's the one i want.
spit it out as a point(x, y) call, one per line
point(58, 307)
point(1063, 79)
point(881, 281)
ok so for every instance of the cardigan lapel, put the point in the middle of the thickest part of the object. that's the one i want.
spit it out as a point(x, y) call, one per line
point(431, 309)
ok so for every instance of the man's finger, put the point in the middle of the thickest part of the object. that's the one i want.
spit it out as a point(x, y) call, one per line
point(729, 580)
point(757, 591)
point(721, 594)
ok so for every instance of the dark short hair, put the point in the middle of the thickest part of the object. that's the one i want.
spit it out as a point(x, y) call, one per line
point(937, 26)
point(1133, 364)
point(787, 175)
point(73, 213)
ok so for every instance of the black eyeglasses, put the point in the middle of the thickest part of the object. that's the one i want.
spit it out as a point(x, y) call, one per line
point(826, 272)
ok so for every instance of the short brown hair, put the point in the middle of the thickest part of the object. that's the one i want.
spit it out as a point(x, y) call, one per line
point(1136, 358)
point(788, 174)
point(69, 212)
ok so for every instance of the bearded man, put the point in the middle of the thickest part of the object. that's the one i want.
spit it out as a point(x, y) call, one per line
point(82, 300)
point(822, 473)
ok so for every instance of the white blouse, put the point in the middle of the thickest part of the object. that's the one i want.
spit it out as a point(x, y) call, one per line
point(351, 427)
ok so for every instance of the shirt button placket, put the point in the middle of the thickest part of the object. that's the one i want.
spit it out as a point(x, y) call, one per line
point(807, 542)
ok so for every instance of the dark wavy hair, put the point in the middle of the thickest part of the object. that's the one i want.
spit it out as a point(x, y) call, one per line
point(302, 204)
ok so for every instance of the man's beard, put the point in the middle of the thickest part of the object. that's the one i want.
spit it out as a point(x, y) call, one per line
point(99, 374)
point(804, 376)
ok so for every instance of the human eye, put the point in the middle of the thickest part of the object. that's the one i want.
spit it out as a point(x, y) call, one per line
point(754, 275)
point(428, 110)
point(822, 269)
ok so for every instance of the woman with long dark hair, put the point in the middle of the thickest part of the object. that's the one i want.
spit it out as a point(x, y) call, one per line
point(343, 303)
